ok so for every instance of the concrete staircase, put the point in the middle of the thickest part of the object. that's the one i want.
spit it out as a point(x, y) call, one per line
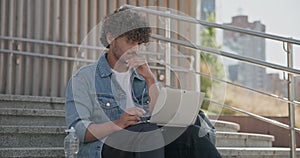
point(34, 127)
point(234, 144)
point(31, 126)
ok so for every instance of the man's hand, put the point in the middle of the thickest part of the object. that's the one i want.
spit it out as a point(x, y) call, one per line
point(130, 117)
point(141, 66)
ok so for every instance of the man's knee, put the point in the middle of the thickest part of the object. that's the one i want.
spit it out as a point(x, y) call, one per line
point(192, 130)
point(142, 127)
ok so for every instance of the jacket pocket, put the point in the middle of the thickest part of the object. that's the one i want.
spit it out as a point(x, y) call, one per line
point(109, 105)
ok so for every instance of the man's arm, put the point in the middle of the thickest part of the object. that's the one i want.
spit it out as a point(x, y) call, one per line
point(142, 67)
point(97, 131)
point(78, 110)
point(153, 92)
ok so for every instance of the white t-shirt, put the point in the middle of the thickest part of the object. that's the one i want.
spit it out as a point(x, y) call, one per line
point(123, 78)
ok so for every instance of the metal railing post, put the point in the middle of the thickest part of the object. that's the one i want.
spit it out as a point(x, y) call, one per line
point(290, 105)
point(168, 51)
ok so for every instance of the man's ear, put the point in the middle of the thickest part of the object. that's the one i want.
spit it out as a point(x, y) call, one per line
point(109, 38)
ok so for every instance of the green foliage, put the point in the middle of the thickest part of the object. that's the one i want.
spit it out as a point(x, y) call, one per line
point(210, 63)
point(226, 111)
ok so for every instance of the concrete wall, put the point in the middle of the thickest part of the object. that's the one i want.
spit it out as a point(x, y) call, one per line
point(67, 22)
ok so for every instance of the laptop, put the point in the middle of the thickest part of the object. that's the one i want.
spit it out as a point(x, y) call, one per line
point(176, 107)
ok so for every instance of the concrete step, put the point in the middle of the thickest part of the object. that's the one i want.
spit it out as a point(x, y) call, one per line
point(32, 117)
point(52, 136)
point(28, 136)
point(57, 152)
point(234, 139)
point(34, 127)
point(46, 117)
point(52, 152)
point(31, 102)
point(256, 152)
point(225, 126)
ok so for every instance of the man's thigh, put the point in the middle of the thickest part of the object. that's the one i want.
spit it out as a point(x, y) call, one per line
point(190, 144)
point(142, 138)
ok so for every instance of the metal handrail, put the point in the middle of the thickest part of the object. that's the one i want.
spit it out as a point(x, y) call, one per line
point(64, 44)
point(211, 24)
point(251, 89)
point(154, 67)
point(91, 47)
point(45, 55)
point(175, 68)
point(274, 122)
point(289, 42)
point(180, 42)
point(73, 45)
point(182, 69)
point(229, 55)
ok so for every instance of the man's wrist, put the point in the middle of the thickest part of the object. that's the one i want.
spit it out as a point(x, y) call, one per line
point(116, 125)
point(150, 80)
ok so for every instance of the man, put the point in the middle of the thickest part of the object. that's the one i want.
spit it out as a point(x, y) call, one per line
point(105, 101)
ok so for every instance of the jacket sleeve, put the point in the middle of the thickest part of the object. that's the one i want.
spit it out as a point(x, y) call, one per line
point(78, 106)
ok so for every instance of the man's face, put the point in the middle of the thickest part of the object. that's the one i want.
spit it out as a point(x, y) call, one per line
point(123, 49)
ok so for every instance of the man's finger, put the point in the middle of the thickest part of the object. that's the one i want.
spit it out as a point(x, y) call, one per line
point(135, 111)
point(134, 62)
point(133, 118)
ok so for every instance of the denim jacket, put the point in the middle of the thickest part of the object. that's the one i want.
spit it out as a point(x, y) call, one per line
point(94, 96)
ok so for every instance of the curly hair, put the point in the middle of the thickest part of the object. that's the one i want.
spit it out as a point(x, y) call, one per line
point(125, 22)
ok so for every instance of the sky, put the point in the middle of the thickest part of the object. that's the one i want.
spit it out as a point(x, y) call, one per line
point(281, 17)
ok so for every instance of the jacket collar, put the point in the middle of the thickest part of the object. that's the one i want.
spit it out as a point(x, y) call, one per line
point(103, 66)
point(136, 75)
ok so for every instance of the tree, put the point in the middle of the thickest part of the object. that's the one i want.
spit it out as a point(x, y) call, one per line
point(210, 63)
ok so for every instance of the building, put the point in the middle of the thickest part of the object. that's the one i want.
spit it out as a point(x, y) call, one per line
point(297, 87)
point(233, 71)
point(275, 85)
point(248, 46)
